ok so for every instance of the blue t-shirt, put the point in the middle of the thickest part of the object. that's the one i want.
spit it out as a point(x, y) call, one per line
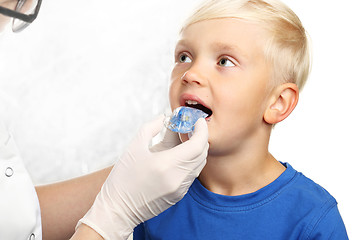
point(291, 207)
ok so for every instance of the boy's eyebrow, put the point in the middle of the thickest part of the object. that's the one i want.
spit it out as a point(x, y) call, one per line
point(223, 46)
point(181, 43)
point(219, 46)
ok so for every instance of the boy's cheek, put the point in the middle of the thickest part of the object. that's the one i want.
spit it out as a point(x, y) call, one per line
point(173, 96)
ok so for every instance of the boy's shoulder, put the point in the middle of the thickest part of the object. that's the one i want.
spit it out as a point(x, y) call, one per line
point(306, 189)
point(312, 190)
point(306, 194)
point(315, 204)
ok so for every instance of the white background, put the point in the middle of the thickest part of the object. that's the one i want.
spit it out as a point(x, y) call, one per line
point(80, 81)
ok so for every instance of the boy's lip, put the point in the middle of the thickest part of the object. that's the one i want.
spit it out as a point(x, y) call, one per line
point(186, 96)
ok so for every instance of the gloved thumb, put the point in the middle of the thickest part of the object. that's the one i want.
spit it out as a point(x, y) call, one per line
point(197, 144)
point(151, 129)
point(200, 134)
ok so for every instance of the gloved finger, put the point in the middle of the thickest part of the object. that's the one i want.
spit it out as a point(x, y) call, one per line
point(151, 129)
point(198, 163)
point(200, 135)
point(196, 145)
point(171, 139)
point(201, 164)
point(201, 127)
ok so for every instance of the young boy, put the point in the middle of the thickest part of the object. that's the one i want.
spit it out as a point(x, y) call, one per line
point(244, 62)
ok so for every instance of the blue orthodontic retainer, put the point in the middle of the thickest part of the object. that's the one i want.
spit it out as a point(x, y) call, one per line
point(183, 119)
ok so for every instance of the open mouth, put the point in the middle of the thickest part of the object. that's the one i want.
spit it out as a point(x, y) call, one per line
point(195, 104)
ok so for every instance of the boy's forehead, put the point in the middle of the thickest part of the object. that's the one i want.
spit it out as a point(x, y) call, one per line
point(227, 34)
point(215, 45)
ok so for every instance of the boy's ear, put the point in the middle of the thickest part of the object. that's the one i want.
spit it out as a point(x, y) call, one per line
point(282, 102)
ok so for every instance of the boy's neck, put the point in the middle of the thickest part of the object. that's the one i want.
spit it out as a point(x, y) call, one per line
point(241, 172)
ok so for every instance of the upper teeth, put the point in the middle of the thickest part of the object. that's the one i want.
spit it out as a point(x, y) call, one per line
point(191, 102)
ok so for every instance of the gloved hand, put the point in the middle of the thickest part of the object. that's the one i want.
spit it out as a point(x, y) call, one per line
point(145, 182)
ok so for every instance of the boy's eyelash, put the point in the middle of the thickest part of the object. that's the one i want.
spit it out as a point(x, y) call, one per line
point(180, 54)
point(227, 58)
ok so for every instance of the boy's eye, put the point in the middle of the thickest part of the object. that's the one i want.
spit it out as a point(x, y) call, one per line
point(183, 58)
point(224, 62)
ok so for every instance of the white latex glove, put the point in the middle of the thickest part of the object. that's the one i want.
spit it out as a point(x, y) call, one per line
point(145, 182)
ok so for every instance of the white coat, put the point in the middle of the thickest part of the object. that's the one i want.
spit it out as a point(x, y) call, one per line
point(20, 217)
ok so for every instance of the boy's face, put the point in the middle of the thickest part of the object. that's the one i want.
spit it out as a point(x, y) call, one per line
point(220, 64)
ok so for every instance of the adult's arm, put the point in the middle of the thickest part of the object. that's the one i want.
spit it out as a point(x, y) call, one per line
point(62, 204)
point(85, 232)
point(146, 181)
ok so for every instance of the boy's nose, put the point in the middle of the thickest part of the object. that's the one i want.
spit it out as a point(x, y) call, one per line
point(192, 77)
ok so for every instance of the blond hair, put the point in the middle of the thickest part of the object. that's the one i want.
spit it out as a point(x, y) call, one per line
point(288, 47)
